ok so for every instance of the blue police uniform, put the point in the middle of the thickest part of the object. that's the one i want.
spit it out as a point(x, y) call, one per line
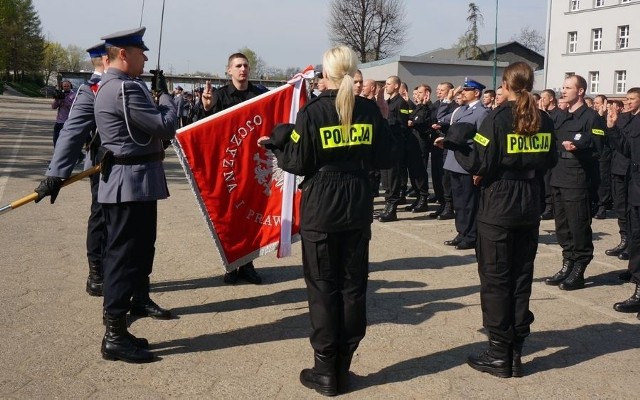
point(132, 129)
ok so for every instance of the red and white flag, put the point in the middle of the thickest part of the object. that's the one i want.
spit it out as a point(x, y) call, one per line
point(250, 205)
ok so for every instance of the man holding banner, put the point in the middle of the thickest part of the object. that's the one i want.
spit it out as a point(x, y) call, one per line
point(225, 97)
point(338, 138)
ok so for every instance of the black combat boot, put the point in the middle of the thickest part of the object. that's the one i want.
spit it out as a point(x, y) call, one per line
point(140, 342)
point(343, 363)
point(496, 360)
point(117, 343)
point(575, 280)
point(567, 266)
point(437, 212)
point(616, 251)
point(630, 305)
point(447, 212)
point(547, 214)
point(421, 206)
point(601, 213)
point(94, 280)
point(516, 358)
point(389, 213)
point(322, 377)
point(624, 256)
point(413, 204)
point(143, 306)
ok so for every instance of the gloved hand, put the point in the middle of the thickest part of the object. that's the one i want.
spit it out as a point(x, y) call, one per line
point(160, 80)
point(50, 186)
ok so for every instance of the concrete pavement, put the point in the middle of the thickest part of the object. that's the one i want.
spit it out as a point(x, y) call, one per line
point(251, 342)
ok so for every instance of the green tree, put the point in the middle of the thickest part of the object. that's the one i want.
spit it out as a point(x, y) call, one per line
point(468, 43)
point(374, 29)
point(54, 59)
point(75, 58)
point(21, 40)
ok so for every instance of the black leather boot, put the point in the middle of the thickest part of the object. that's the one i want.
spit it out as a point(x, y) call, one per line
point(624, 256)
point(567, 266)
point(421, 206)
point(143, 306)
point(496, 360)
point(140, 342)
point(117, 343)
point(389, 213)
point(413, 204)
point(94, 280)
point(630, 305)
point(322, 377)
point(343, 363)
point(447, 212)
point(516, 358)
point(547, 214)
point(601, 213)
point(437, 212)
point(616, 251)
point(575, 280)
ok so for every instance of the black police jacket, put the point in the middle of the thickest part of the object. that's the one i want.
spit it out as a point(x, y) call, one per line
point(508, 162)
point(627, 141)
point(578, 169)
point(336, 192)
point(398, 116)
point(421, 119)
point(626, 125)
point(228, 96)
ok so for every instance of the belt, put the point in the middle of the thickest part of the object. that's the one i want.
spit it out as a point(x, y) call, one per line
point(341, 166)
point(519, 175)
point(135, 160)
point(567, 154)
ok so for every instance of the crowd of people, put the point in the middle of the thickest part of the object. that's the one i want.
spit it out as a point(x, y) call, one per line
point(500, 161)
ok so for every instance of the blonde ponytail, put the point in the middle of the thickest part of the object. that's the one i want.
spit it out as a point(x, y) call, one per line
point(339, 65)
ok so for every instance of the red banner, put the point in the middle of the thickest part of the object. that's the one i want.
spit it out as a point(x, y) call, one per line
point(237, 183)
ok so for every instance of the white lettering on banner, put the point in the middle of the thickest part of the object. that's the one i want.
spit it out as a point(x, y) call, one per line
point(262, 219)
point(236, 140)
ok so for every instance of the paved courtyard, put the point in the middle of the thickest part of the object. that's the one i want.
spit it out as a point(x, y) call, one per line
point(250, 342)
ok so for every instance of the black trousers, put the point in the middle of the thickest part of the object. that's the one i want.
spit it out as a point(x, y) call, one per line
point(336, 270)
point(634, 243)
point(548, 191)
point(417, 157)
point(393, 177)
point(619, 184)
point(96, 230)
point(572, 210)
point(437, 172)
point(505, 264)
point(447, 194)
point(604, 189)
point(129, 251)
point(465, 203)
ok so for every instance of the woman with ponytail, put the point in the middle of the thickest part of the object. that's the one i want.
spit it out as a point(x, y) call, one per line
point(515, 143)
point(338, 137)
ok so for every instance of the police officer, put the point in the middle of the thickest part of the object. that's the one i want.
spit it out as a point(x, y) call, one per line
point(507, 151)
point(464, 192)
point(132, 129)
point(418, 147)
point(624, 131)
point(579, 140)
point(78, 129)
point(548, 103)
point(397, 118)
point(337, 138)
point(240, 89)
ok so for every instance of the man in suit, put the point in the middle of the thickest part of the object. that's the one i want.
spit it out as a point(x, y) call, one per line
point(132, 129)
point(439, 177)
point(465, 193)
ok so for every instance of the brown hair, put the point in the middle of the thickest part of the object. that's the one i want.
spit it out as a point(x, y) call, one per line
point(526, 116)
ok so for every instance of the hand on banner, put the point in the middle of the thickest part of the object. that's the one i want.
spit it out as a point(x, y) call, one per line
point(207, 96)
point(262, 140)
point(50, 186)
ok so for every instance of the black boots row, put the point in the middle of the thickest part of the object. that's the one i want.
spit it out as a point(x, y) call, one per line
point(329, 376)
point(501, 359)
point(570, 276)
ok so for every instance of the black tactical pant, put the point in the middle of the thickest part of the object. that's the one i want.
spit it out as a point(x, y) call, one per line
point(619, 184)
point(95, 226)
point(437, 172)
point(572, 211)
point(417, 156)
point(604, 189)
point(634, 243)
point(505, 265)
point(393, 177)
point(548, 191)
point(465, 203)
point(336, 269)
point(129, 251)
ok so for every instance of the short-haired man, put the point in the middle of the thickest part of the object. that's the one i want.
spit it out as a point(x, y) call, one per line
point(418, 146)
point(624, 130)
point(488, 98)
point(579, 137)
point(603, 193)
point(357, 83)
point(239, 90)
point(548, 103)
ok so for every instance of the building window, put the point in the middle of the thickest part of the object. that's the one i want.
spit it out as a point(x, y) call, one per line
point(621, 82)
point(572, 45)
point(596, 39)
point(568, 74)
point(625, 1)
point(623, 37)
point(575, 5)
point(594, 81)
point(599, 3)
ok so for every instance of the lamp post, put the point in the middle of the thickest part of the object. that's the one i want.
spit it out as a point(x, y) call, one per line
point(495, 50)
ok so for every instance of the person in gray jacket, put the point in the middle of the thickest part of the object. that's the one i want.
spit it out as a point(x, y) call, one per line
point(132, 130)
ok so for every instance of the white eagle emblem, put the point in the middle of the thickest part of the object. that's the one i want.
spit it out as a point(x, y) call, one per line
point(267, 171)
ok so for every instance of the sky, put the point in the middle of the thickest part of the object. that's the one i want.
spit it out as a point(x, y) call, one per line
point(199, 35)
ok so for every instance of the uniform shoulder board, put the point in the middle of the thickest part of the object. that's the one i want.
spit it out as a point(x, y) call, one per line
point(261, 88)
